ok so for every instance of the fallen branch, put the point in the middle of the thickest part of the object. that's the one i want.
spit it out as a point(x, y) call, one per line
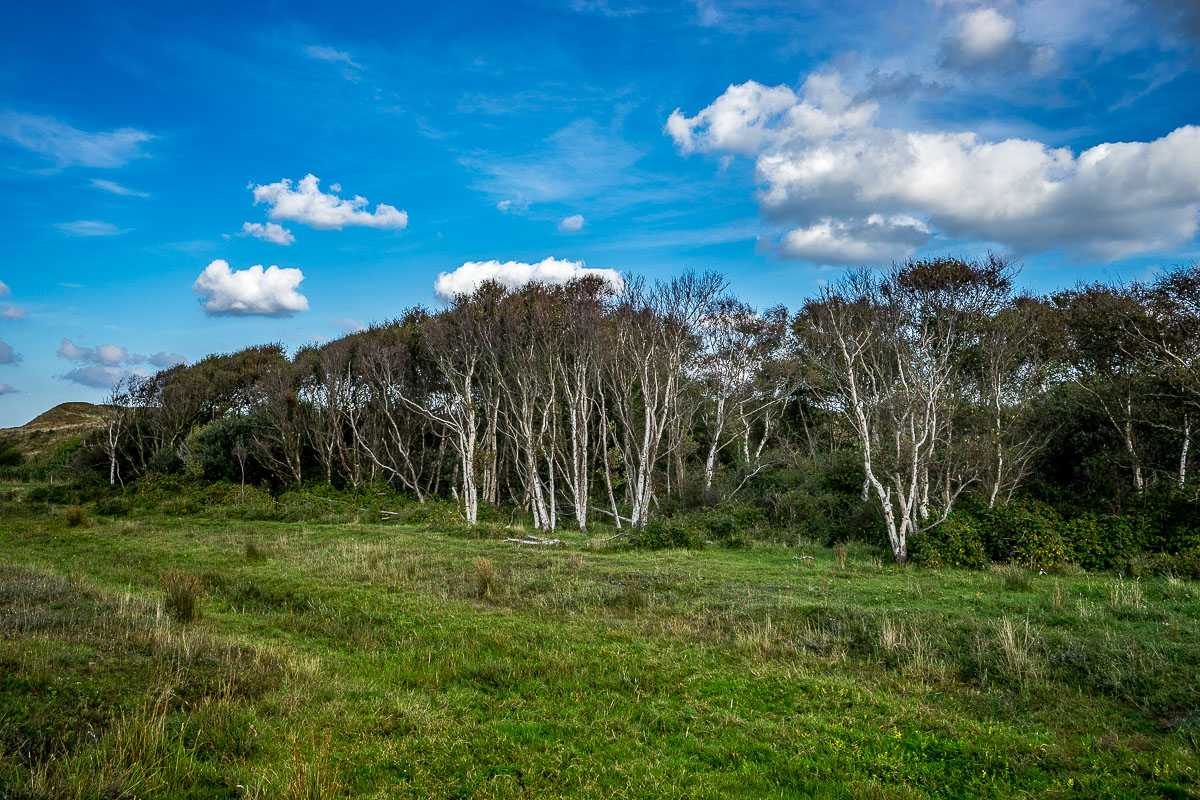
point(610, 538)
point(381, 512)
point(611, 514)
point(529, 538)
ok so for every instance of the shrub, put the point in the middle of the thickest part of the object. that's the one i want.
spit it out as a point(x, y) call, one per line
point(1098, 542)
point(660, 533)
point(182, 595)
point(1027, 532)
point(957, 542)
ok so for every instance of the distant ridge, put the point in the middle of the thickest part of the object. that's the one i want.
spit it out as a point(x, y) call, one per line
point(46, 431)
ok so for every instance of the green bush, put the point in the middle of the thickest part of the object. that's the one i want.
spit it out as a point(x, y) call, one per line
point(1027, 532)
point(663, 532)
point(1098, 542)
point(957, 542)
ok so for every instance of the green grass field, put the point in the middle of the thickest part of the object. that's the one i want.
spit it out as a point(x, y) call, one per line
point(365, 660)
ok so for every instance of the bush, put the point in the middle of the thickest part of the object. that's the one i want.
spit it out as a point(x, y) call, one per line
point(75, 516)
point(212, 451)
point(957, 542)
point(10, 453)
point(1027, 532)
point(660, 533)
point(1099, 542)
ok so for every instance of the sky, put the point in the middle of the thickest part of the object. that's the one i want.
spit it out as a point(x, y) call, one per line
point(183, 180)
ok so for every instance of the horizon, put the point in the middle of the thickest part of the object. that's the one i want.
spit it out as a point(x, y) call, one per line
point(178, 185)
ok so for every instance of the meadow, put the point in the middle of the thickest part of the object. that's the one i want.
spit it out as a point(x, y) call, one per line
point(158, 655)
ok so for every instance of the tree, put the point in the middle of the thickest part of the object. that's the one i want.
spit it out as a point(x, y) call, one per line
point(883, 352)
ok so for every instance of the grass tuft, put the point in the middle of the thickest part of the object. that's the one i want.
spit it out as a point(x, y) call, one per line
point(254, 553)
point(1013, 577)
point(485, 576)
point(182, 593)
point(75, 516)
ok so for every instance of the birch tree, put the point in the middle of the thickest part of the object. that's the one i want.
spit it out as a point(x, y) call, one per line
point(883, 352)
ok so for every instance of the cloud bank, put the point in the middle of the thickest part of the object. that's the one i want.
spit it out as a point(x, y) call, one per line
point(249, 292)
point(515, 274)
point(850, 190)
point(308, 205)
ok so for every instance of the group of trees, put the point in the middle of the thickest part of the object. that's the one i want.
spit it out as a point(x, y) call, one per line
point(579, 400)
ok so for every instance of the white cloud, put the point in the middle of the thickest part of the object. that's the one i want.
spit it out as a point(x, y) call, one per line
point(161, 359)
point(13, 313)
point(7, 356)
point(515, 274)
point(349, 323)
point(104, 354)
point(982, 38)
point(90, 227)
point(512, 206)
point(249, 292)
point(116, 188)
point(308, 205)
point(68, 146)
point(571, 224)
point(271, 232)
point(877, 239)
point(4, 290)
point(827, 169)
point(100, 376)
point(985, 34)
point(6, 389)
point(106, 364)
point(330, 55)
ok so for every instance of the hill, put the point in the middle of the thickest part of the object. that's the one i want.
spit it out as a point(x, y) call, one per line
point(46, 431)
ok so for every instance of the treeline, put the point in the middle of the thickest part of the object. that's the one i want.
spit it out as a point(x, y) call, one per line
point(885, 403)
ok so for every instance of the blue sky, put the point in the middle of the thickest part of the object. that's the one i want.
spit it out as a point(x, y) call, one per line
point(777, 143)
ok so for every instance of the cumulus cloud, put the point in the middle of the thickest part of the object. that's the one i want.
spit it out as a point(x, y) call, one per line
point(307, 204)
point(875, 239)
point(104, 354)
point(67, 146)
point(983, 38)
point(4, 290)
point(515, 274)
point(6, 389)
point(90, 227)
point(7, 356)
point(104, 365)
point(249, 292)
point(846, 185)
point(571, 224)
point(115, 188)
point(271, 232)
point(13, 313)
point(113, 355)
point(99, 376)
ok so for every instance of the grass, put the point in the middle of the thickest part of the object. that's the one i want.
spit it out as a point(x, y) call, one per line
point(366, 660)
